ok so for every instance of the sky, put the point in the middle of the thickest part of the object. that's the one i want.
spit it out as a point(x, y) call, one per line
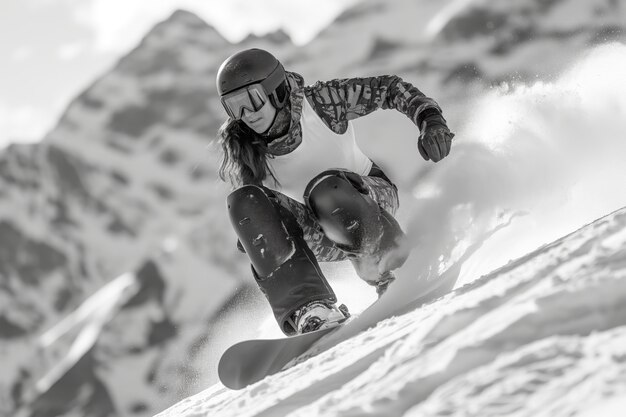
point(50, 50)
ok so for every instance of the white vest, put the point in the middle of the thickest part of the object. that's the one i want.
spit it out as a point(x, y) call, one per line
point(320, 149)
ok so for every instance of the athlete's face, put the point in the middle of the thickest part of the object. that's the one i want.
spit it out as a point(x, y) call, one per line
point(260, 120)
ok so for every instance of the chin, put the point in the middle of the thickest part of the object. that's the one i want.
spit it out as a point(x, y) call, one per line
point(261, 129)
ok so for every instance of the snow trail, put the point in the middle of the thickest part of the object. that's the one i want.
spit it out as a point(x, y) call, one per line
point(548, 158)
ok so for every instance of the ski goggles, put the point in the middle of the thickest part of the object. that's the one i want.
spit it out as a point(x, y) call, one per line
point(252, 98)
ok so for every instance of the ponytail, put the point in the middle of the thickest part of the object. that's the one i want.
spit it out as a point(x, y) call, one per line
point(244, 155)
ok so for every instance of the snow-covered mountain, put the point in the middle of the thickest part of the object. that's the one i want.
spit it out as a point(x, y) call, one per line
point(124, 184)
point(117, 255)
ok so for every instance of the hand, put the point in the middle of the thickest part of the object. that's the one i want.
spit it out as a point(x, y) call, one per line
point(435, 141)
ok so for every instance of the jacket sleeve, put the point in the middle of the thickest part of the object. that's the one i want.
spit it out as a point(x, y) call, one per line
point(341, 100)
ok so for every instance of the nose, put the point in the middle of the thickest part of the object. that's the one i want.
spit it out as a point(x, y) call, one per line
point(248, 114)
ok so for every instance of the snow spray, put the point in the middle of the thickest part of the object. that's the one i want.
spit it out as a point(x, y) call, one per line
point(533, 163)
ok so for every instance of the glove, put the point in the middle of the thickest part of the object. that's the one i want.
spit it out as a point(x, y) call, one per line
point(435, 141)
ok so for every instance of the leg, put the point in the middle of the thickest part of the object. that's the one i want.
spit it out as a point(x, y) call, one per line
point(283, 265)
point(350, 210)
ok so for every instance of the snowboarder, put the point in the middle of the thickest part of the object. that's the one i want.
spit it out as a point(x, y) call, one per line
point(303, 190)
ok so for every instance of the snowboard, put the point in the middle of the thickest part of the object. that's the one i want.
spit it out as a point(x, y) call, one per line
point(250, 361)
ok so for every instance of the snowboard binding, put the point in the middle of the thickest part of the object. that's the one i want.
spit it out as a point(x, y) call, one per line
point(318, 315)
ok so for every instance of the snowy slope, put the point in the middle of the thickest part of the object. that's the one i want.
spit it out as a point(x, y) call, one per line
point(544, 335)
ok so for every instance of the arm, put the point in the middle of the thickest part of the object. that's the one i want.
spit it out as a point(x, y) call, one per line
point(338, 101)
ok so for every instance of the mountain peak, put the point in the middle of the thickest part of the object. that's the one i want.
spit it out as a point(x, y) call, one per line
point(188, 25)
point(278, 37)
point(185, 17)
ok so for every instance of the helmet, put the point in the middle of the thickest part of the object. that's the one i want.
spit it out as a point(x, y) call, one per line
point(249, 67)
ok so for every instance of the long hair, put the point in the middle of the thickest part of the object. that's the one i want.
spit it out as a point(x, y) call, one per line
point(244, 155)
point(244, 152)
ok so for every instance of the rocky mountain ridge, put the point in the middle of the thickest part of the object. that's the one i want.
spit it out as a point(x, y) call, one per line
point(123, 183)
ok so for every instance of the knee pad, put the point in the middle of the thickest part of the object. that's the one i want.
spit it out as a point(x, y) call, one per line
point(282, 263)
point(261, 228)
point(348, 216)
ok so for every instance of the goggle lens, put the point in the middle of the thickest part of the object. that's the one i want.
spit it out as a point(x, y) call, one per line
point(251, 98)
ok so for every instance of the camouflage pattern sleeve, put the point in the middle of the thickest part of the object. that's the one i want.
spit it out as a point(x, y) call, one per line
point(338, 101)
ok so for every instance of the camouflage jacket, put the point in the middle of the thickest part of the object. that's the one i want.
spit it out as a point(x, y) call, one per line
point(341, 100)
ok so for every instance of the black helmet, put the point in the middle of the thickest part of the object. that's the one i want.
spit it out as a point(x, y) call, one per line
point(253, 66)
point(249, 67)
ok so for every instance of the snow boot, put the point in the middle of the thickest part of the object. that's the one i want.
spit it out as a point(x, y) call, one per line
point(318, 315)
point(368, 234)
point(283, 265)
